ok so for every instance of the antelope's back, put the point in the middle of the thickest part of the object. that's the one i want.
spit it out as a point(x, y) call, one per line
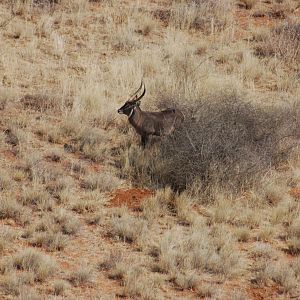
point(175, 114)
point(163, 122)
point(173, 119)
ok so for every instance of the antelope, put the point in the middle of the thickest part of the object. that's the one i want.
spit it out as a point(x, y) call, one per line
point(147, 123)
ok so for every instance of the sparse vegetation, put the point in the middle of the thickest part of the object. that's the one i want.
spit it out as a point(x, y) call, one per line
point(211, 211)
point(138, 284)
point(60, 287)
point(127, 228)
point(207, 16)
point(50, 240)
point(248, 4)
point(41, 265)
point(207, 291)
point(283, 41)
point(104, 182)
point(234, 151)
point(52, 231)
point(83, 275)
point(37, 197)
point(210, 252)
point(10, 208)
point(280, 273)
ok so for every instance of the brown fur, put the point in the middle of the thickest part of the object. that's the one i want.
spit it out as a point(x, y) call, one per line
point(155, 123)
point(148, 123)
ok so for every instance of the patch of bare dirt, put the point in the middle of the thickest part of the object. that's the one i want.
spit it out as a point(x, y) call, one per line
point(132, 198)
point(262, 293)
point(245, 20)
point(295, 193)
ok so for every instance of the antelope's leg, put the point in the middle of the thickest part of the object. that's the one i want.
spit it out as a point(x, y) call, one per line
point(144, 140)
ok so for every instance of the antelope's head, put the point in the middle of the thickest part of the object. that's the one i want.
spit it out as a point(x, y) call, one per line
point(133, 101)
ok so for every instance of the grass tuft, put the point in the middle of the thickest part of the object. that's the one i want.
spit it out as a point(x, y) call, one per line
point(127, 228)
point(31, 260)
point(83, 275)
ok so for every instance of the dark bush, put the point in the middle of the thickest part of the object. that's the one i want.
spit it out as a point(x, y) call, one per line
point(226, 143)
point(229, 143)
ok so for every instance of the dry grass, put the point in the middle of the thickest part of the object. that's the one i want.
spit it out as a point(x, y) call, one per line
point(248, 4)
point(2, 245)
point(61, 220)
point(242, 234)
point(52, 231)
point(83, 275)
point(283, 41)
point(138, 284)
point(104, 182)
point(245, 143)
point(94, 219)
point(49, 240)
point(60, 287)
point(189, 281)
point(207, 16)
point(293, 236)
point(126, 227)
point(10, 209)
point(280, 273)
point(224, 208)
point(31, 260)
point(85, 206)
point(210, 252)
point(37, 197)
point(5, 181)
point(207, 291)
point(136, 281)
point(14, 283)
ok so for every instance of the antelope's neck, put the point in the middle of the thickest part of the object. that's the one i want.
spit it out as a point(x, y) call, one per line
point(134, 117)
point(131, 113)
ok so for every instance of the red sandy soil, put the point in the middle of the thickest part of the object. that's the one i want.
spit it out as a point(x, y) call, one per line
point(245, 20)
point(295, 192)
point(9, 155)
point(91, 242)
point(263, 293)
point(132, 198)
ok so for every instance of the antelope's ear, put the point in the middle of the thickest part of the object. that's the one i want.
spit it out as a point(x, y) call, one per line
point(138, 103)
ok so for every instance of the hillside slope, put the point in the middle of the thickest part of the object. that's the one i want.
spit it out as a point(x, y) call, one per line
point(86, 213)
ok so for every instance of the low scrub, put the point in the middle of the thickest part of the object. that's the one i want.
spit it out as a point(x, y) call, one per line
point(10, 208)
point(82, 275)
point(49, 240)
point(212, 252)
point(60, 287)
point(284, 42)
point(128, 228)
point(207, 16)
point(225, 142)
point(31, 260)
point(229, 143)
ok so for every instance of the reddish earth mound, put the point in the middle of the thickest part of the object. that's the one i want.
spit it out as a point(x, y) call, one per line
point(132, 198)
point(295, 193)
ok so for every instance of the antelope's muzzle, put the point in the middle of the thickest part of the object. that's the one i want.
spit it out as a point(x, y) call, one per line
point(120, 111)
